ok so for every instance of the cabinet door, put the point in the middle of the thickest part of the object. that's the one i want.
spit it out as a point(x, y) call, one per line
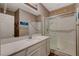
point(44, 50)
point(48, 46)
point(36, 52)
point(21, 53)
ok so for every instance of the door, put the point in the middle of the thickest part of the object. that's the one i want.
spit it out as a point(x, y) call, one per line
point(6, 26)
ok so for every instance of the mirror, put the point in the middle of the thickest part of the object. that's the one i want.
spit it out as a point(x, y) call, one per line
point(16, 23)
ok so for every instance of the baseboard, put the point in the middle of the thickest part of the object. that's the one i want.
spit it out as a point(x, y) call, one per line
point(58, 53)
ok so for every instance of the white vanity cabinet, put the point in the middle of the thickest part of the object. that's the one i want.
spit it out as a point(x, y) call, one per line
point(39, 49)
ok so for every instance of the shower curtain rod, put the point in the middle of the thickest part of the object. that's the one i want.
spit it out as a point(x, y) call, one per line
point(59, 15)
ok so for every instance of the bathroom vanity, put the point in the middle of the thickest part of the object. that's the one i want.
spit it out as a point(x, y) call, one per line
point(37, 46)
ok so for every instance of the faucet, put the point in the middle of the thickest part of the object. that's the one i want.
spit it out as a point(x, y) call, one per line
point(30, 34)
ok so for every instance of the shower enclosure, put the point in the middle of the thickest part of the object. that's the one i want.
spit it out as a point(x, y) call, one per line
point(62, 30)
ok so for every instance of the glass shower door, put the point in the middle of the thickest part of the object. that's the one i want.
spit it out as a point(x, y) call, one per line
point(62, 32)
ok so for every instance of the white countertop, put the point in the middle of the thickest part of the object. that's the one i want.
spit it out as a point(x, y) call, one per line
point(10, 48)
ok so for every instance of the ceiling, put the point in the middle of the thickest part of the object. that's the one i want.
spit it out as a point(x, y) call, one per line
point(54, 6)
point(15, 6)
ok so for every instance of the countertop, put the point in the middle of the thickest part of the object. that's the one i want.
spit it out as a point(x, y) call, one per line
point(10, 48)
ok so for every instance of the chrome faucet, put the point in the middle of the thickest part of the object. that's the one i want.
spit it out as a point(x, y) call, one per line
point(30, 34)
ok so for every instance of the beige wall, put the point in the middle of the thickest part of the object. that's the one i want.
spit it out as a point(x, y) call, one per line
point(70, 8)
point(38, 18)
point(43, 13)
point(77, 5)
point(27, 15)
point(7, 12)
point(42, 10)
